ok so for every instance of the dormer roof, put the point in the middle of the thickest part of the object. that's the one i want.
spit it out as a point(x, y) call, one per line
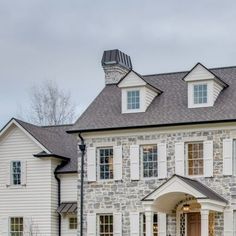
point(199, 72)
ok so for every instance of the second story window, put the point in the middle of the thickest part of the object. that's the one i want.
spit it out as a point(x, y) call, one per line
point(149, 161)
point(16, 173)
point(133, 99)
point(105, 163)
point(195, 158)
point(200, 94)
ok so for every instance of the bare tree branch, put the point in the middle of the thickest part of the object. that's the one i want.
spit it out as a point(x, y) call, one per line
point(50, 105)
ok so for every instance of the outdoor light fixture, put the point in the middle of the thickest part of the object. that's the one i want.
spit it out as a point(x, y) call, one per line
point(186, 207)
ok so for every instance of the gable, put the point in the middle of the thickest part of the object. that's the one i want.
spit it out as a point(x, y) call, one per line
point(199, 72)
point(131, 80)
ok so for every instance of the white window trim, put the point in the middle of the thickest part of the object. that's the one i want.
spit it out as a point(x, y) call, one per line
point(141, 160)
point(186, 159)
point(69, 217)
point(210, 101)
point(98, 163)
point(15, 186)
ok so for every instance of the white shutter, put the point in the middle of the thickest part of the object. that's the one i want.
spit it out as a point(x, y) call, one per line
point(23, 172)
point(134, 223)
point(91, 224)
point(4, 226)
point(134, 162)
point(8, 173)
point(117, 224)
point(162, 161)
point(208, 158)
point(29, 227)
point(227, 156)
point(228, 222)
point(161, 224)
point(117, 162)
point(179, 158)
point(91, 164)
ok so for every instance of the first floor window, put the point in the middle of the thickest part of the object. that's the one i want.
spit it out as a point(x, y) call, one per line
point(106, 163)
point(234, 157)
point(195, 158)
point(133, 100)
point(16, 226)
point(16, 172)
point(73, 222)
point(200, 93)
point(149, 161)
point(155, 224)
point(106, 225)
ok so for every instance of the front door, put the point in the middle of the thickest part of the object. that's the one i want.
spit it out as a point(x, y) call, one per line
point(194, 224)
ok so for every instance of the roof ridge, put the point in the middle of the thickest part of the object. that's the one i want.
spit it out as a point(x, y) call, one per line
point(185, 71)
point(49, 126)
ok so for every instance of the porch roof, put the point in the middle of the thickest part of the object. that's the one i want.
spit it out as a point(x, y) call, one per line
point(67, 207)
point(204, 191)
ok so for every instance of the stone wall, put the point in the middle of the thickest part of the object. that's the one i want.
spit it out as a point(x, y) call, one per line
point(125, 195)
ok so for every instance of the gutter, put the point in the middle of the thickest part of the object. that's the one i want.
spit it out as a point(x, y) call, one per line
point(150, 126)
point(59, 193)
point(82, 148)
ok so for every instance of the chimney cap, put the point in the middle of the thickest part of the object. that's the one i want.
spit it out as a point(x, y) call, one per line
point(116, 57)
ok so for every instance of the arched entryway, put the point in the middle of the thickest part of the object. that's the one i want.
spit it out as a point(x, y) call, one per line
point(192, 203)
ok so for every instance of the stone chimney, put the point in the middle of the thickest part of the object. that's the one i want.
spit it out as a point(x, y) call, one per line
point(116, 64)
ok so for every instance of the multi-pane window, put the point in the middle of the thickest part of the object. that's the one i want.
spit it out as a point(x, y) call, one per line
point(73, 222)
point(149, 161)
point(195, 158)
point(106, 163)
point(133, 99)
point(234, 157)
point(106, 225)
point(200, 93)
point(155, 224)
point(16, 172)
point(16, 226)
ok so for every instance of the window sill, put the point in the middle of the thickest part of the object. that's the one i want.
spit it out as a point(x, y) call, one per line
point(16, 186)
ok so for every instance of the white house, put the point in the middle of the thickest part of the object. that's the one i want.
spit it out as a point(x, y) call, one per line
point(34, 162)
point(161, 152)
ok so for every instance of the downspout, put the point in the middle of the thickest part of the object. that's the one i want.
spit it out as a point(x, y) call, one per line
point(59, 194)
point(82, 148)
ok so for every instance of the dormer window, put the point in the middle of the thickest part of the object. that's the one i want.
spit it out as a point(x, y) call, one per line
point(200, 93)
point(133, 99)
point(204, 87)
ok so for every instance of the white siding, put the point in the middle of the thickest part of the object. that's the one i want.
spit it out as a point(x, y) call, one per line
point(199, 73)
point(68, 187)
point(216, 90)
point(65, 231)
point(36, 201)
point(132, 80)
point(149, 96)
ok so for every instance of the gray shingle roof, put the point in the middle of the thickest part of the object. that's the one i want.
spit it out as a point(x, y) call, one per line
point(167, 109)
point(56, 140)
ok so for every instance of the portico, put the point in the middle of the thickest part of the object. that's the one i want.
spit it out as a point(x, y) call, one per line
point(190, 201)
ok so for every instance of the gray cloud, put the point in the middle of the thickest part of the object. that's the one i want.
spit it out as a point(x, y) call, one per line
point(64, 40)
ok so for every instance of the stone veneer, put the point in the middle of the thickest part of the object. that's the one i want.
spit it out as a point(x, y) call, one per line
point(124, 196)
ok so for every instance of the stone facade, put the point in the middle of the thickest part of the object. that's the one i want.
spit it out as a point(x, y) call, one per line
point(125, 196)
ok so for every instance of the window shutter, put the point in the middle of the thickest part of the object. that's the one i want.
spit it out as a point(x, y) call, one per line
point(91, 164)
point(8, 174)
point(179, 158)
point(162, 161)
point(134, 162)
point(117, 162)
point(161, 224)
point(227, 156)
point(23, 172)
point(208, 158)
point(29, 228)
point(4, 226)
point(117, 224)
point(91, 224)
point(228, 222)
point(134, 223)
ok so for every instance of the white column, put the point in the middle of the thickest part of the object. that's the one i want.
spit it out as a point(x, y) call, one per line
point(204, 222)
point(149, 223)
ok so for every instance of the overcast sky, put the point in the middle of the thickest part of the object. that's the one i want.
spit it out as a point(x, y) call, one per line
point(64, 40)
